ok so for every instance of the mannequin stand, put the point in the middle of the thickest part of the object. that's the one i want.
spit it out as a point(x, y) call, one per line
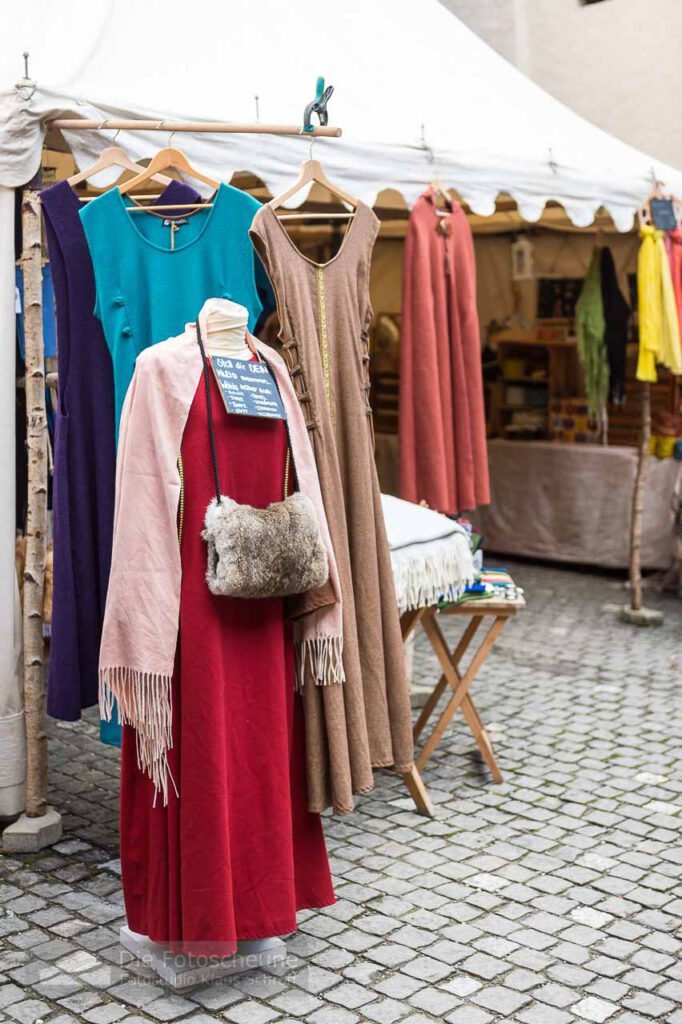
point(181, 971)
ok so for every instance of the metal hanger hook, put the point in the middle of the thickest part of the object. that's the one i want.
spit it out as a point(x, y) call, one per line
point(430, 155)
point(116, 135)
point(170, 138)
point(311, 149)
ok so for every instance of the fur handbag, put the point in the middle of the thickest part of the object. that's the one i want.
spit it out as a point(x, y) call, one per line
point(272, 552)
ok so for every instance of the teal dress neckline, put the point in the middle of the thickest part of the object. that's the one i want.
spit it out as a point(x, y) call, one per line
point(147, 291)
point(208, 213)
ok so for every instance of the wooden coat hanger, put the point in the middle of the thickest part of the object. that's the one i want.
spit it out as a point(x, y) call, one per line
point(439, 188)
point(312, 171)
point(113, 156)
point(163, 160)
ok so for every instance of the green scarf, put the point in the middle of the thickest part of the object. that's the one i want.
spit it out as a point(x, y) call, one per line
point(590, 328)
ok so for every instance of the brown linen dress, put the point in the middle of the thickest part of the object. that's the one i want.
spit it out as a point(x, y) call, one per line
point(324, 313)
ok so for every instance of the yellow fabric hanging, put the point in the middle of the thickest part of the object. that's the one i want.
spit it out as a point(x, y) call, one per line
point(649, 304)
point(670, 349)
point(659, 329)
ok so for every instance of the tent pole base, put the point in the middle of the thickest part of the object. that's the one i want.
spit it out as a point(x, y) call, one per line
point(28, 835)
point(640, 616)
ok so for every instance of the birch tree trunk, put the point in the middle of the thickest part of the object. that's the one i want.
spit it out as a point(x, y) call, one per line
point(638, 502)
point(34, 572)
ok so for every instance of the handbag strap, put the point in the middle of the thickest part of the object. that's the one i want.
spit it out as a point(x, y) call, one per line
point(209, 410)
point(211, 427)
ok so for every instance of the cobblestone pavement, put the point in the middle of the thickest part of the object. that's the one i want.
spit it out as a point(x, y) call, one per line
point(555, 897)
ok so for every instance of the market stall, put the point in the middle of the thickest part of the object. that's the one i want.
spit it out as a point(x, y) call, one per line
point(529, 281)
point(511, 148)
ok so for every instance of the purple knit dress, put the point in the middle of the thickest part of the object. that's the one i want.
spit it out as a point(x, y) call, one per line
point(84, 458)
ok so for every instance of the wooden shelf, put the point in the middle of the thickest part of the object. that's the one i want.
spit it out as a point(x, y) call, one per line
point(536, 342)
point(556, 359)
point(508, 407)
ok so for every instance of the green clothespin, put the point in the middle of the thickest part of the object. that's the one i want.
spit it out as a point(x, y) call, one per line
point(318, 106)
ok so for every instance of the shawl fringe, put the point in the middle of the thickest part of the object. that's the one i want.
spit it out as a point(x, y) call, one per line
point(144, 701)
point(323, 656)
point(424, 579)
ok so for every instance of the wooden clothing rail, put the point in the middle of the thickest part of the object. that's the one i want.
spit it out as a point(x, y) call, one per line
point(78, 124)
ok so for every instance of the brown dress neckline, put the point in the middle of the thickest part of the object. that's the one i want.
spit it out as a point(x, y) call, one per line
point(302, 255)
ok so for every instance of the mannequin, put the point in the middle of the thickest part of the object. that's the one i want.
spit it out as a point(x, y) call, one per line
point(224, 325)
point(224, 329)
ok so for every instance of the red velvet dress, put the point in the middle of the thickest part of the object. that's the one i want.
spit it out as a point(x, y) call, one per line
point(238, 853)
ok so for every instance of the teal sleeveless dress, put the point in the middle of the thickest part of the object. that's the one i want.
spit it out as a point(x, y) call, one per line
point(153, 274)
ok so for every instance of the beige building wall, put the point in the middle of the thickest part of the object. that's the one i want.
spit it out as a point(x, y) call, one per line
point(618, 62)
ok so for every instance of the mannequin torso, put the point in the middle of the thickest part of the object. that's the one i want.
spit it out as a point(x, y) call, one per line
point(224, 327)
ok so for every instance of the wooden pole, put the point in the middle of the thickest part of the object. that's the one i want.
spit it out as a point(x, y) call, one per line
point(12, 768)
point(638, 502)
point(34, 571)
point(74, 124)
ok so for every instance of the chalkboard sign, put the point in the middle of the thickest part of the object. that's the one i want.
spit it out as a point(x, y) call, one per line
point(663, 214)
point(248, 388)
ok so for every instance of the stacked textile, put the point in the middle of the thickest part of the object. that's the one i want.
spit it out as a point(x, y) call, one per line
point(430, 554)
point(490, 584)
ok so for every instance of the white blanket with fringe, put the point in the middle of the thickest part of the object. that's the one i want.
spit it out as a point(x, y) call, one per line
point(430, 554)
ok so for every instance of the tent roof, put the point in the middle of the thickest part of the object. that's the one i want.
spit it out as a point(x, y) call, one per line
point(417, 95)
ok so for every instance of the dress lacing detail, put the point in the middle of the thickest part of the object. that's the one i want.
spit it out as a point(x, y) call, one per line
point(298, 378)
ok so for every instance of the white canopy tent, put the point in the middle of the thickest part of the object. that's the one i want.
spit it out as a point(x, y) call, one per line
point(417, 95)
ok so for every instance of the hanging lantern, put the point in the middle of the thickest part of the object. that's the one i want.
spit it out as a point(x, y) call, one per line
point(522, 259)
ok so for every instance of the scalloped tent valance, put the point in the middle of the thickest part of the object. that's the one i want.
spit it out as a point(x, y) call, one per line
point(417, 94)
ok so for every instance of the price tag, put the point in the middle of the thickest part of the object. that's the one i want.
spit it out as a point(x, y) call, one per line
point(248, 388)
point(663, 214)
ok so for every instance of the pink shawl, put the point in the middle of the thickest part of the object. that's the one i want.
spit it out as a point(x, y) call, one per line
point(140, 631)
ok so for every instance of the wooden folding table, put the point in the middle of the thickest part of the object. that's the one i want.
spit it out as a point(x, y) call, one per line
point(496, 613)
